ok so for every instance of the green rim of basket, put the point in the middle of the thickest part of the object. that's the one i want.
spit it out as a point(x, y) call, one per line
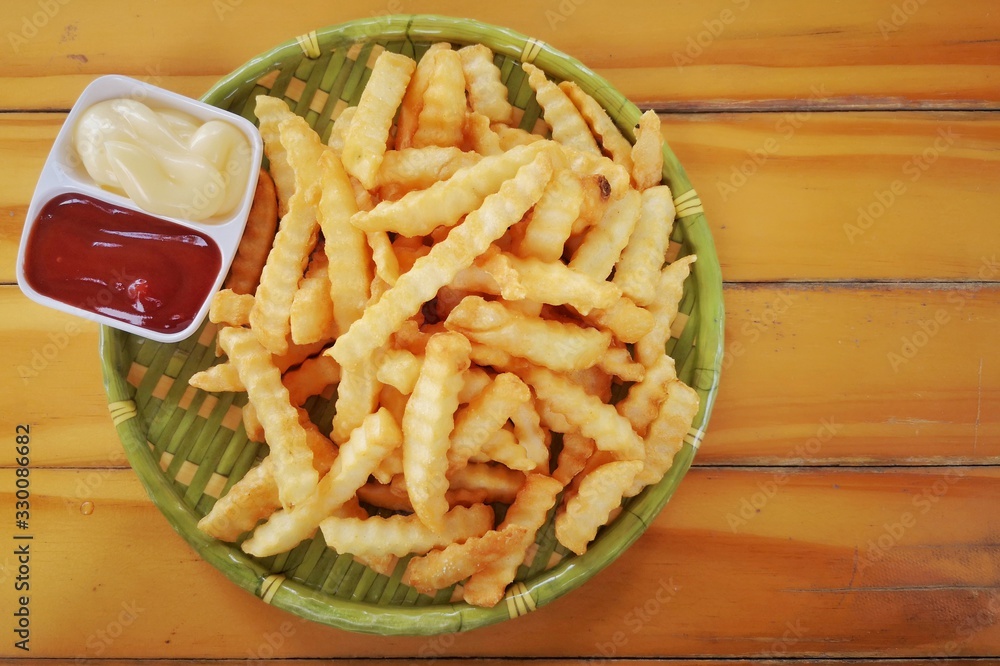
point(700, 369)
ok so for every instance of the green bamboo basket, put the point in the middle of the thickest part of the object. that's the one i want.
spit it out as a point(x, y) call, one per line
point(188, 447)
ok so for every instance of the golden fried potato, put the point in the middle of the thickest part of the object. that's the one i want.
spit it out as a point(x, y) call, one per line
point(442, 116)
point(428, 420)
point(293, 468)
point(220, 377)
point(338, 133)
point(552, 219)
point(651, 345)
point(626, 320)
point(480, 136)
point(487, 94)
point(457, 561)
point(586, 413)
point(357, 397)
point(618, 362)
point(255, 496)
point(257, 238)
point(602, 246)
point(400, 535)
point(644, 398)
point(529, 510)
point(600, 492)
point(350, 258)
point(601, 125)
point(556, 345)
point(568, 126)
point(511, 137)
point(311, 315)
point(270, 112)
point(310, 378)
point(573, 457)
point(444, 203)
point(419, 168)
point(465, 242)
point(550, 282)
point(638, 270)
point(647, 153)
point(666, 434)
point(365, 143)
point(413, 100)
point(530, 434)
point(497, 482)
point(358, 458)
point(485, 414)
point(296, 237)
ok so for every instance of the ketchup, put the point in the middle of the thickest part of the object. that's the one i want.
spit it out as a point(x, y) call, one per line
point(120, 263)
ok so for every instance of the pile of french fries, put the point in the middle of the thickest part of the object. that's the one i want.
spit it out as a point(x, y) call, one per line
point(469, 288)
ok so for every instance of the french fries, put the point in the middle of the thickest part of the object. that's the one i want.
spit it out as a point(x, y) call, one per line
point(568, 126)
point(465, 289)
point(296, 237)
point(293, 468)
point(556, 345)
point(647, 153)
point(465, 242)
point(364, 143)
point(427, 422)
point(638, 270)
point(443, 114)
point(487, 95)
point(262, 224)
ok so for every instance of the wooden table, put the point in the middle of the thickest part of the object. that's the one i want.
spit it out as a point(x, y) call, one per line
point(844, 502)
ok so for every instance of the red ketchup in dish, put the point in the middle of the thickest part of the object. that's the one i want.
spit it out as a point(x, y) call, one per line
point(120, 263)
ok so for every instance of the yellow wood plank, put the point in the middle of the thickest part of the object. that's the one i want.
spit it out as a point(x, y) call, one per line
point(893, 563)
point(817, 375)
point(691, 54)
point(812, 375)
point(796, 196)
point(25, 143)
point(52, 383)
point(59, 92)
point(810, 195)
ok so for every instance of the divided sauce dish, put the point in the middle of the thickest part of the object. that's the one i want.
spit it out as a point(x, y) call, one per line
point(95, 252)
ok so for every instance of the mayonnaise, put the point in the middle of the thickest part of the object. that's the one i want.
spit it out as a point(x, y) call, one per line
point(168, 162)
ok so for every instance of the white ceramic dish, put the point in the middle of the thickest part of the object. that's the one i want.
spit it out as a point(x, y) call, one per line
point(63, 172)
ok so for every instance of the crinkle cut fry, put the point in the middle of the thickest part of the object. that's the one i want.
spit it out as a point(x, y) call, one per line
point(463, 244)
point(364, 145)
point(443, 568)
point(427, 423)
point(296, 237)
point(529, 510)
point(400, 535)
point(588, 414)
point(293, 459)
point(358, 458)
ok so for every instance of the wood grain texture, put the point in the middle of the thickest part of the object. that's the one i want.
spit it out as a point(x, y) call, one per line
point(819, 196)
point(52, 383)
point(794, 217)
point(861, 374)
point(888, 563)
point(687, 54)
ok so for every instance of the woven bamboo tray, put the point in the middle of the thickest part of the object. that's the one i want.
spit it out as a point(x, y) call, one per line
point(188, 447)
